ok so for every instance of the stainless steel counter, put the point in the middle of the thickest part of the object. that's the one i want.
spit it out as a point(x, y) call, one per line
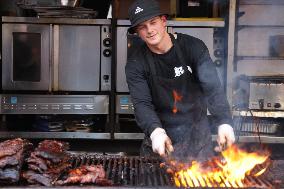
point(72, 21)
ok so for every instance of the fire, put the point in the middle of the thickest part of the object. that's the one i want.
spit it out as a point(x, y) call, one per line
point(177, 98)
point(228, 171)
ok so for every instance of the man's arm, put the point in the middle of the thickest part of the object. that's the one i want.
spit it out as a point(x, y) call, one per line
point(217, 102)
point(144, 109)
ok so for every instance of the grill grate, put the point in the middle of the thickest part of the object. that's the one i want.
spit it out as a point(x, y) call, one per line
point(144, 172)
point(128, 171)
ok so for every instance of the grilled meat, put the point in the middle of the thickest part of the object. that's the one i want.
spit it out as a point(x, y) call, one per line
point(38, 161)
point(86, 174)
point(9, 161)
point(12, 155)
point(33, 177)
point(9, 175)
point(11, 147)
point(53, 146)
point(47, 162)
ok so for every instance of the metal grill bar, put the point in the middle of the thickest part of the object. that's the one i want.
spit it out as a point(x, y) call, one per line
point(143, 172)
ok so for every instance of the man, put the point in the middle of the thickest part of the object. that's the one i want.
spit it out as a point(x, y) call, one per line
point(172, 82)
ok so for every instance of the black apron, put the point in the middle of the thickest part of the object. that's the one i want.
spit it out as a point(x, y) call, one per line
point(188, 126)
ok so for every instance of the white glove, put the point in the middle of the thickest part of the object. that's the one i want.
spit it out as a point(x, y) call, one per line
point(226, 137)
point(161, 143)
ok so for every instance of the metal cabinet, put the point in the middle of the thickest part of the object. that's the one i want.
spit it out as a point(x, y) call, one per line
point(255, 65)
point(73, 75)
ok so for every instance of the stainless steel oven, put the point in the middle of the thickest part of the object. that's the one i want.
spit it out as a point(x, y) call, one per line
point(26, 56)
point(55, 65)
point(43, 54)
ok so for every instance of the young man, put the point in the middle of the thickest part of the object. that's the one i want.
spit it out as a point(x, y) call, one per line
point(172, 82)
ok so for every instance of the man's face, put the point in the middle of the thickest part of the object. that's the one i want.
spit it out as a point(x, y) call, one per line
point(152, 31)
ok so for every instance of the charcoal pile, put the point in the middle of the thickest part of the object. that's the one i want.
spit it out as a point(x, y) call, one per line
point(86, 174)
point(47, 162)
point(12, 156)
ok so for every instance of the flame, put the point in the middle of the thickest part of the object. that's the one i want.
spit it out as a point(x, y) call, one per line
point(177, 98)
point(228, 171)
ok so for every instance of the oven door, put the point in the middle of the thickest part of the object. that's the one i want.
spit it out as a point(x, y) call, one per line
point(26, 55)
point(126, 43)
point(78, 59)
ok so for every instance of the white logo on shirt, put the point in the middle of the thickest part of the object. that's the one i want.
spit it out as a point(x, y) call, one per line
point(179, 70)
point(137, 10)
point(189, 69)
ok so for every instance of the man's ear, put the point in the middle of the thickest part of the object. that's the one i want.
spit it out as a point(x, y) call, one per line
point(164, 18)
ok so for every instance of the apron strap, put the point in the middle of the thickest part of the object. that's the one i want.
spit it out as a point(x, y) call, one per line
point(178, 49)
point(150, 58)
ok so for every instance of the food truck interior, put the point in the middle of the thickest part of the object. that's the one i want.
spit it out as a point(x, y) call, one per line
point(63, 79)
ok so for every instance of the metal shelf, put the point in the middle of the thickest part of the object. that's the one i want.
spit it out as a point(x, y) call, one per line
point(120, 136)
point(255, 113)
point(129, 136)
point(73, 21)
point(258, 58)
point(257, 139)
point(262, 139)
point(199, 22)
point(55, 135)
point(249, 139)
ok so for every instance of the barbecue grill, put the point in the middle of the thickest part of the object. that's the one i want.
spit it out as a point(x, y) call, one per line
point(141, 172)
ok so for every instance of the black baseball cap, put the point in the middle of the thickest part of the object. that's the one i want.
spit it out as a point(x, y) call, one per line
point(142, 10)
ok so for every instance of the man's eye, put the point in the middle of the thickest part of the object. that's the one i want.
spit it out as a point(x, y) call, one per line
point(140, 27)
point(154, 22)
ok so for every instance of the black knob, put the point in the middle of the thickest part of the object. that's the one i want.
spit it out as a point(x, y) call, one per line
point(107, 42)
point(261, 103)
point(107, 52)
point(218, 53)
point(106, 77)
point(277, 105)
point(218, 62)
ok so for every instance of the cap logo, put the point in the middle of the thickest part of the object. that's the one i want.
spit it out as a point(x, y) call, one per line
point(137, 10)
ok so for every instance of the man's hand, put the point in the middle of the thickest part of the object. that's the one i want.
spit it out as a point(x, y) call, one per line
point(161, 143)
point(225, 138)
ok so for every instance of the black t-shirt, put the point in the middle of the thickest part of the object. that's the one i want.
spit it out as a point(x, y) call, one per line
point(165, 65)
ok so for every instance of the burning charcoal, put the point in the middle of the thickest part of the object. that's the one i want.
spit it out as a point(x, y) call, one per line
point(241, 169)
point(169, 169)
point(86, 174)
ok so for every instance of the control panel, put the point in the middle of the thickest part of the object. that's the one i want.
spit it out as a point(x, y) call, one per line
point(124, 104)
point(266, 96)
point(106, 58)
point(54, 104)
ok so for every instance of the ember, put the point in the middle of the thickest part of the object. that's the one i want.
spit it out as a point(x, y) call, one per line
point(234, 169)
